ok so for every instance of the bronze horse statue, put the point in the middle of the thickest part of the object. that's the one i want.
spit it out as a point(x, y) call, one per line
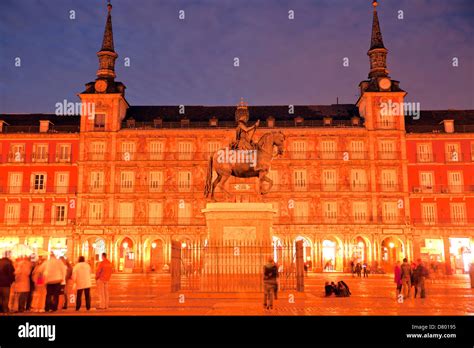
point(260, 168)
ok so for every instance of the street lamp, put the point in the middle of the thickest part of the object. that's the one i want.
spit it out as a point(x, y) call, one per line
point(391, 245)
point(125, 245)
point(153, 245)
point(183, 245)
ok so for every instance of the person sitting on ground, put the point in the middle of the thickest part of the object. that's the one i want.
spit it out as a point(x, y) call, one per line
point(328, 289)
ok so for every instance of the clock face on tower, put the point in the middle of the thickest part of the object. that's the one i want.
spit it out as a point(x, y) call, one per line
point(385, 84)
point(100, 86)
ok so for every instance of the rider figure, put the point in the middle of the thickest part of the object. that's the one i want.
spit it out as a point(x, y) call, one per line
point(244, 133)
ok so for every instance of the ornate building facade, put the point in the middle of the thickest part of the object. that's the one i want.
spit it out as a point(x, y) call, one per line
point(353, 183)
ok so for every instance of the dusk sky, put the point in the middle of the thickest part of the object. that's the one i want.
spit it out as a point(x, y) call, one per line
point(190, 61)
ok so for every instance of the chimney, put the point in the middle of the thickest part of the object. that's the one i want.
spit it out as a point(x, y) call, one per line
point(449, 126)
point(44, 126)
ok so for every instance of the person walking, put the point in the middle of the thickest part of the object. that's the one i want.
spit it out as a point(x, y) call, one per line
point(397, 277)
point(352, 268)
point(420, 275)
point(22, 283)
point(54, 273)
point(103, 274)
point(7, 277)
point(270, 275)
point(81, 275)
point(406, 274)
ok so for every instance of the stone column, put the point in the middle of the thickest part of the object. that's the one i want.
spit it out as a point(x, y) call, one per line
point(447, 256)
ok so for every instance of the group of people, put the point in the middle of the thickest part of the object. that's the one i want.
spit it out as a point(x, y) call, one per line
point(409, 275)
point(359, 269)
point(340, 290)
point(49, 285)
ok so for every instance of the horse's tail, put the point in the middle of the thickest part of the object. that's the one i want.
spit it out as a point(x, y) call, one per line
point(207, 188)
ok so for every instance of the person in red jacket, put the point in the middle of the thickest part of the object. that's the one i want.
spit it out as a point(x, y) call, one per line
point(103, 274)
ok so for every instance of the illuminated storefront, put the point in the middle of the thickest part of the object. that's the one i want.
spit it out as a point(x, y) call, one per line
point(461, 254)
point(58, 246)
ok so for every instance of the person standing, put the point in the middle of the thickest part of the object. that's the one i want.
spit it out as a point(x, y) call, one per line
point(53, 272)
point(63, 299)
point(7, 277)
point(365, 270)
point(420, 275)
point(103, 274)
point(406, 274)
point(32, 286)
point(81, 275)
point(397, 277)
point(270, 275)
point(358, 269)
point(39, 295)
point(22, 283)
point(471, 274)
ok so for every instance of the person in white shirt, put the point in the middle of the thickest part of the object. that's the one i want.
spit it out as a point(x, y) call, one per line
point(53, 271)
point(81, 275)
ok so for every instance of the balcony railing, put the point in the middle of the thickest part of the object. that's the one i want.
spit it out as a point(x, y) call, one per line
point(430, 221)
point(26, 221)
point(38, 189)
point(204, 156)
point(442, 189)
point(35, 157)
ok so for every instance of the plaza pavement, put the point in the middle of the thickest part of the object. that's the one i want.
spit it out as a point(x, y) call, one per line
point(149, 294)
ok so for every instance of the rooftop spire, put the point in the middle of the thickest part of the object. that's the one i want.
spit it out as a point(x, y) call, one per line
point(108, 40)
point(377, 52)
point(376, 40)
point(107, 53)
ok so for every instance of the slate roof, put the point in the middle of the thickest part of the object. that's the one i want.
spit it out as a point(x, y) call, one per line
point(201, 113)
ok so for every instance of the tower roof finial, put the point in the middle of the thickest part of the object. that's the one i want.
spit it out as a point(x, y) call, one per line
point(376, 39)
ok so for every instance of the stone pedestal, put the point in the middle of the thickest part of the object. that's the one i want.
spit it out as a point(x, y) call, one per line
point(239, 243)
point(246, 222)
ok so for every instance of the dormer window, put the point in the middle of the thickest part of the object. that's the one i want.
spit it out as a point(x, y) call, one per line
point(158, 122)
point(270, 122)
point(213, 122)
point(185, 123)
point(131, 123)
point(299, 121)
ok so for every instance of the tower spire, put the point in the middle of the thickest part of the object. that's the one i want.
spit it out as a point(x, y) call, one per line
point(108, 40)
point(107, 54)
point(377, 52)
point(376, 39)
